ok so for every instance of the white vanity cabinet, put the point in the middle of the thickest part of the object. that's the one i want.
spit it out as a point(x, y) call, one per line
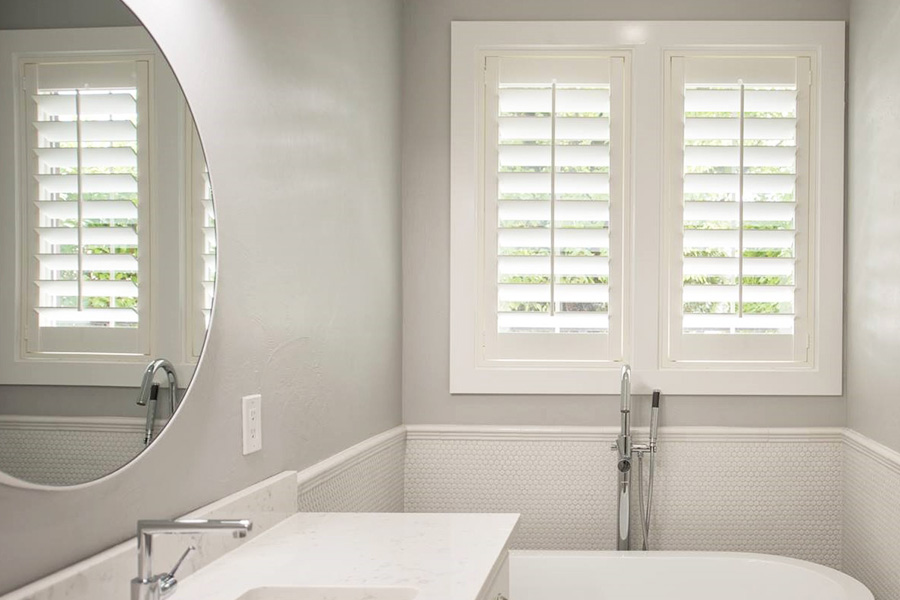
point(497, 587)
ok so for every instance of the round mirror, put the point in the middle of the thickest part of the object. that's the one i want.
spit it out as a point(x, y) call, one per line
point(107, 241)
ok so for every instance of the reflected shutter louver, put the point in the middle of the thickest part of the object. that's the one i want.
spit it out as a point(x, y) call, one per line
point(85, 130)
point(203, 240)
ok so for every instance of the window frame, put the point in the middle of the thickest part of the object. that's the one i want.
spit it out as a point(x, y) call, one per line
point(806, 199)
point(530, 352)
point(29, 328)
point(167, 108)
point(645, 254)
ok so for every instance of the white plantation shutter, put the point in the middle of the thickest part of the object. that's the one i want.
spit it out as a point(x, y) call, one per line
point(85, 133)
point(738, 224)
point(203, 240)
point(553, 202)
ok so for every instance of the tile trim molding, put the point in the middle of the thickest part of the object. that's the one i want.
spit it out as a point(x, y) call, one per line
point(55, 423)
point(595, 434)
point(873, 450)
point(333, 466)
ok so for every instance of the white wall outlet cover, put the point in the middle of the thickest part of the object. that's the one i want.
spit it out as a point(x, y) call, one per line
point(251, 409)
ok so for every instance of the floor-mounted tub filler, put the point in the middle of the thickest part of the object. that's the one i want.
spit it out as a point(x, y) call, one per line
point(627, 451)
point(536, 575)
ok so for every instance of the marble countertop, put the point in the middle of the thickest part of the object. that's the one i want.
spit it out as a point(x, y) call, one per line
point(443, 556)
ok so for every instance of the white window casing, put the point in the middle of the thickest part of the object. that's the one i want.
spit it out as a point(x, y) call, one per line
point(730, 183)
point(552, 209)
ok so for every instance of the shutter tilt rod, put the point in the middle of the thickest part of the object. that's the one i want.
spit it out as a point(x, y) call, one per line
point(553, 198)
point(80, 213)
point(740, 305)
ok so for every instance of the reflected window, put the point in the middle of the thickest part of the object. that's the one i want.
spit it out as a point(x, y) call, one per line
point(108, 226)
point(85, 125)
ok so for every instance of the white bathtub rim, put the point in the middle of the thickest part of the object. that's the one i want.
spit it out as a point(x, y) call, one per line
point(855, 590)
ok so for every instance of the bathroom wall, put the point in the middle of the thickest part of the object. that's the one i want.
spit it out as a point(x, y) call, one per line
point(70, 401)
point(873, 220)
point(426, 230)
point(872, 325)
point(48, 14)
point(298, 107)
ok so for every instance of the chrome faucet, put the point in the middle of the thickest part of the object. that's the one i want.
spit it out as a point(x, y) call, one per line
point(149, 391)
point(147, 586)
point(623, 447)
point(627, 450)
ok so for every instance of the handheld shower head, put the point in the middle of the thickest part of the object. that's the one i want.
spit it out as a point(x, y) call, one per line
point(625, 389)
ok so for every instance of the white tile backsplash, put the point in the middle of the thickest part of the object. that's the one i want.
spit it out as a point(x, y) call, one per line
point(871, 490)
point(365, 478)
point(67, 450)
point(768, 491)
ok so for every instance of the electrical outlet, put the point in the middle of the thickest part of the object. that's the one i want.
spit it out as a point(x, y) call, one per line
point(252, 418)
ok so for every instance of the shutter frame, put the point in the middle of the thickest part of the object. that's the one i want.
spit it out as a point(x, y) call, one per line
point(513, 336)
point(736, 350)
point(49, 326)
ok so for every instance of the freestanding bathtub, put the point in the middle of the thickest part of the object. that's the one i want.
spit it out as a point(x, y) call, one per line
point(674, 576)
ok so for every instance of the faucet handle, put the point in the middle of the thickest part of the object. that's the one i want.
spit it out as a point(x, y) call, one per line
point(167, 581)
point(181, 560)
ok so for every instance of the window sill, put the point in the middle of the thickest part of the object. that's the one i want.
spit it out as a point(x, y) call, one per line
point(681, 381)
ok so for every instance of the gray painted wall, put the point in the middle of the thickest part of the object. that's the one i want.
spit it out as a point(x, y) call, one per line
point(873, 222)
point(73, 401)
point(298, 107)
point(426, 215)
point(51, 14)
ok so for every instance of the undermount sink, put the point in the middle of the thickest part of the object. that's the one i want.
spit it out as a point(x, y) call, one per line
point(330, 593)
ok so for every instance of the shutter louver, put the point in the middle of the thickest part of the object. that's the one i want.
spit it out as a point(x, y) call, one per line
point(208, 227)
point(85, 135)
point(742, 207)
point(548, 198)
point(203, 240)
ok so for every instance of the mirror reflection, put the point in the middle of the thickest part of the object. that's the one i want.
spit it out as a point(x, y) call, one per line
point(107, 250)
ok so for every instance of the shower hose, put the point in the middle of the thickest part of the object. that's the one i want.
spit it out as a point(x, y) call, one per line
point(645, 511)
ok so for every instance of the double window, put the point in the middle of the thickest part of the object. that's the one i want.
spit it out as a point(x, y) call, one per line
point(652, 193)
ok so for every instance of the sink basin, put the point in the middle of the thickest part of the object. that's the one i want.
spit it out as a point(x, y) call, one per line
point(330, 593)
